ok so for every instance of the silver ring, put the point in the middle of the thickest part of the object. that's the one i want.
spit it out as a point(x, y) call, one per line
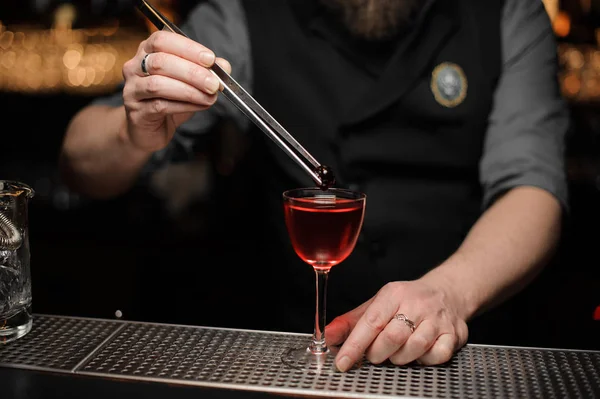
point(143, 65)
point(409, 323)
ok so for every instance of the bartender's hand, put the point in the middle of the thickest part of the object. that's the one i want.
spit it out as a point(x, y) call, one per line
point(372, 330)
point(178, 84)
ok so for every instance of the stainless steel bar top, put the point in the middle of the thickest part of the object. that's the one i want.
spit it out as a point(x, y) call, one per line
point(249, 361)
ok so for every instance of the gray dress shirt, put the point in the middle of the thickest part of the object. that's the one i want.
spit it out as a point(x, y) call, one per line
point(525, 140)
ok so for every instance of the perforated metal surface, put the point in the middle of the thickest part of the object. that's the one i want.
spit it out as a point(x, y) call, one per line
point(250, 360)
point(56, 343)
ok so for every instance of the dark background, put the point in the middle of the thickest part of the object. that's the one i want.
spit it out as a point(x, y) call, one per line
point(92, 258)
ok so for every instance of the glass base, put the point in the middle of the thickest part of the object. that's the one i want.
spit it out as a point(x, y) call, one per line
point(15, 326)
point(309, 362)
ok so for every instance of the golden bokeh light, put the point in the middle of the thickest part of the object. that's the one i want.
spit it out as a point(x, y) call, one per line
point(562, 24)
point(64, 59)
point(579, 72)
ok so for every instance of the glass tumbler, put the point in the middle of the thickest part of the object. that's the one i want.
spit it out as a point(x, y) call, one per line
point(15, 275)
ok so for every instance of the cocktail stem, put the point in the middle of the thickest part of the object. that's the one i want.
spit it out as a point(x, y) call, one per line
point(318, 344)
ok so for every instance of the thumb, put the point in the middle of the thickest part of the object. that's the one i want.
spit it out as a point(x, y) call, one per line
point(339, 329)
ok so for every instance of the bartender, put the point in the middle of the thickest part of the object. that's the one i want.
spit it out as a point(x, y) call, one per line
point(447, 114)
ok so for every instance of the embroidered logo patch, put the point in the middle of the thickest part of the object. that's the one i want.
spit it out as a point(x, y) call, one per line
point(449, 84)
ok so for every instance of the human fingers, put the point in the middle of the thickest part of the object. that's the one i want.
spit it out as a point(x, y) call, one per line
point(441, 351)
point(419, 342)
point(339, 329)
point(389, 341)
point(157, 86)
point(159, 108)
point(180, 46)
point(371, 323)
point(179, 69)
point(182, 70)
point(446, 345)
point(223, 63)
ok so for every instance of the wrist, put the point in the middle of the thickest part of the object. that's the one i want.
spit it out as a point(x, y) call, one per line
point(457, 288)
point(133, 152)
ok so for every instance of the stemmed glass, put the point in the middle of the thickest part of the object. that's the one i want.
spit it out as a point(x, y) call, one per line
point(323, 226)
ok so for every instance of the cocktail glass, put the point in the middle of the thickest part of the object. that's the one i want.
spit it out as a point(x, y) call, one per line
point(323, 226)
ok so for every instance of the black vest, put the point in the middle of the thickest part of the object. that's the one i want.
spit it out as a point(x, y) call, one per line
point(382, 131)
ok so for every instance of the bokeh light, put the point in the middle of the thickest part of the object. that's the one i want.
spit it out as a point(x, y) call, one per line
point(64, 59)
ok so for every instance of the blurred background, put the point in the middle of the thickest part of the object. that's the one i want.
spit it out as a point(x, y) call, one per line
point(156, 252)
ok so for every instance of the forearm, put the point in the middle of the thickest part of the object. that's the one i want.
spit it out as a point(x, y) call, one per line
point(96, 158)
point(507, 247)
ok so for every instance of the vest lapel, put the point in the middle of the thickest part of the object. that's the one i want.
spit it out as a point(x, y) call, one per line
point(407, 64)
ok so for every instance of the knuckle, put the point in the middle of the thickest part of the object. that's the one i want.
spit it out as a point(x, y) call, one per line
point(353, 346)
point(392, 288)
point(159, 106)
point(157, 62)
point(388, 287)
point(152, 85)
point(397, 360)
point(420, 342)
point(444, 353)
point(196, 73)
point(156, 40)
point(191, 48)
point(392, 338)
point(128, 68)
point(190, 96)
point(374, 358)
point(374, 319)
point(128, 92)
point(463, 333)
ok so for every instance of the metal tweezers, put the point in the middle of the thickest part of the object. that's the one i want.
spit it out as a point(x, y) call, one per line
point(244, 101)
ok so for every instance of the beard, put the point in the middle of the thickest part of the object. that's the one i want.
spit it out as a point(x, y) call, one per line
point(374, 19)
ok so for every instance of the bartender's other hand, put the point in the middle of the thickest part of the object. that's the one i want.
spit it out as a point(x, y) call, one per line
point(178, 83)
point(372, 330)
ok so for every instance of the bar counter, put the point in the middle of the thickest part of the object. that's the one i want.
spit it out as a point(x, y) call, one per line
point(74, 357)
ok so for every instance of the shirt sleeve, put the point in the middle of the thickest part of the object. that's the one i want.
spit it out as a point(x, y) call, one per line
point(525, 142)
point(221, 27)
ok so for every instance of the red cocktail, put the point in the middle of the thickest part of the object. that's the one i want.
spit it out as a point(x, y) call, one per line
point(323, 229)
point(323, 226)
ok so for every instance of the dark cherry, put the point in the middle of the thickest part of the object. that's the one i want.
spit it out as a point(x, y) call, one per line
point(326, 175)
